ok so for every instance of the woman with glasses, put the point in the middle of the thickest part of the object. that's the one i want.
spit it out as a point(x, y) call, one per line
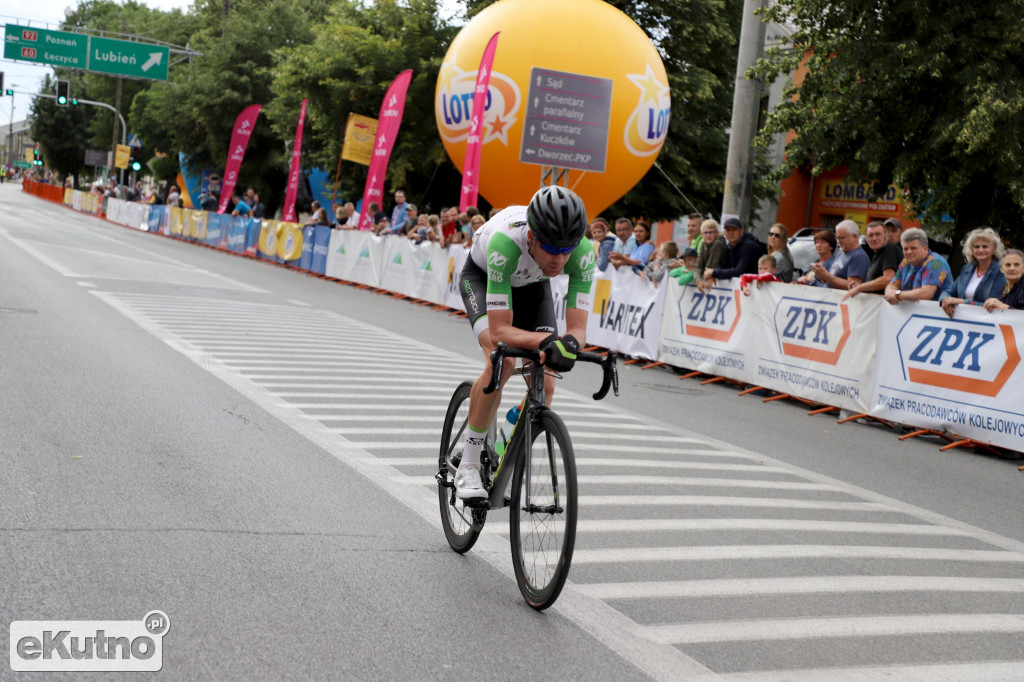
point(778, 248)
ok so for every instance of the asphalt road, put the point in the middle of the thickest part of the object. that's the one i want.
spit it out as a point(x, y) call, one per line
point(249, 450)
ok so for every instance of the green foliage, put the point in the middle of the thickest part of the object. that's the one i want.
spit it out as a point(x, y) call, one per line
point(358, 50)
point(929, 94)
point(61, 132)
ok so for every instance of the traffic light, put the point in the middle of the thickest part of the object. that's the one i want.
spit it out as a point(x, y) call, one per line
point(74, 101)
point(136, 166)
point(63, 93)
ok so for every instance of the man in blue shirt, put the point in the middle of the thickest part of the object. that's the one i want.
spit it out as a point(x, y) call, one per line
point(398, 216)
point(850, 265)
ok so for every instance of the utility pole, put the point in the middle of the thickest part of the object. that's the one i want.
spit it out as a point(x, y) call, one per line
point(746, 105)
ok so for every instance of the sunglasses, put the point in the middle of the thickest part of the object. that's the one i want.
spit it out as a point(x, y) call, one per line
point(774, 234)
point(557, 250)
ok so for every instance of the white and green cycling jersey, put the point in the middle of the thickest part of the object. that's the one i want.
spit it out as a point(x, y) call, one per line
point(500, 248)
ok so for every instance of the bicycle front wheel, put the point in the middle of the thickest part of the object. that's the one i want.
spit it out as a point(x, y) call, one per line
point(543, 512)
point(462, 524)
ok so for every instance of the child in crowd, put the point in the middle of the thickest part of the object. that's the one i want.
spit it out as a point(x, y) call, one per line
point(661, 261)
point(766, 269)
point(684, 273)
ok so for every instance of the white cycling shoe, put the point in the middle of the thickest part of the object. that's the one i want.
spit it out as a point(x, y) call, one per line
point(468, 485)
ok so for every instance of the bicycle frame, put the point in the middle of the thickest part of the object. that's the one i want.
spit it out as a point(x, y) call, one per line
point(522, 437)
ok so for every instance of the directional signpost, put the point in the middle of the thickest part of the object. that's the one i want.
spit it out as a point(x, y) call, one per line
point(123, 58)
point(59, 48)
point(567, 119)
point(91, 53)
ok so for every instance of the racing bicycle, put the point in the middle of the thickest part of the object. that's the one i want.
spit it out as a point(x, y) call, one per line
point(537, 470)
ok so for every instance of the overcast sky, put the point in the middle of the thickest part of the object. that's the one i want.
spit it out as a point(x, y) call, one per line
point(28, 77)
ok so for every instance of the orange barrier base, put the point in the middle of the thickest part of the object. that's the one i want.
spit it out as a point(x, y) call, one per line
point(854, 417)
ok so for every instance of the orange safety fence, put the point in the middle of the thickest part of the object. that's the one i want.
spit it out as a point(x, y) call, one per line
point(54, 193)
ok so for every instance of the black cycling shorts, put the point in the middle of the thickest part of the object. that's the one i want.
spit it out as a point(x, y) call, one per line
point(532, 307)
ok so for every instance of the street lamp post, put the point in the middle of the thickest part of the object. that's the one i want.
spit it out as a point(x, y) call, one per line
point(10, 129)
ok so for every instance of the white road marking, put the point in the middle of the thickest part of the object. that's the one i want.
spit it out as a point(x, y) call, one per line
point(816, 628)
point(759, 552)
point(783, 525)
point(832, 584)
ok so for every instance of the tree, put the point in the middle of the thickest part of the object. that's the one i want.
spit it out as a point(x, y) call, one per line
point(926, 93)
point(357, 52)
point(62, 132)
point(197, 111)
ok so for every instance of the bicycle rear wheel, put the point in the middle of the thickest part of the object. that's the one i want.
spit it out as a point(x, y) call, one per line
point(462, 524)
point(542, 517)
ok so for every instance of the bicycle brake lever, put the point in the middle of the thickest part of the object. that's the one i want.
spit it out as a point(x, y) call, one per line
point(497, 363)
point(611, 376)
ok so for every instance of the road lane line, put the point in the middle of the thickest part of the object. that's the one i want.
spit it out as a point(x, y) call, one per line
point(761, 552)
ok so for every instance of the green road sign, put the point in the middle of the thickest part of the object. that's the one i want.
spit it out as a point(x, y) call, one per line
point(22, 164)
point(124, 58)
point(59, 48)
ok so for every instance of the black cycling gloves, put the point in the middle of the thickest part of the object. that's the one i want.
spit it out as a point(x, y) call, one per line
point(560, 353)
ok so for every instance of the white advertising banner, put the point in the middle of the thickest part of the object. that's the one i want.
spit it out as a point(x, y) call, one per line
point(414, 270)
point(707, 331)
point(962, 375)
point(355, 256)
point(129, 213)
point(808, 342)
point(456, 258)
point(627, 313)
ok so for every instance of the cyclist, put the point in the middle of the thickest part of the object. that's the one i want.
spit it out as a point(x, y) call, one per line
point(505, 287)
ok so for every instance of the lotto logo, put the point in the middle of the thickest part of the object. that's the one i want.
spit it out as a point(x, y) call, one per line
point(972, 357)
point(812, 330)
point(712, 315)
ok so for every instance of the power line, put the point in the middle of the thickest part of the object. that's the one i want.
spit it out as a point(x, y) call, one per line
point(662, 171)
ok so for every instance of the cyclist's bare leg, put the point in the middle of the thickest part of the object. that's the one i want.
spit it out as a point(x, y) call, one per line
point(483, 407)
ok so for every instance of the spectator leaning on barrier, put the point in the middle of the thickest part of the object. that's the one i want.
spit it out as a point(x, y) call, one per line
point(778, 248)
point(240, 207)
point(741, 254)
point(767, 267)
point(923, 275)
point(638, 258)
point(258, 209)
point(884, 261)
point(851, 264)
point(378, 215)
point(606, 243)
point(351, 217)
point(664, 259)
point(712, 247)
point(825, 245)
point(624, 231)
point(398, 216)
point(1012, 295)
point(893, 231)
point(684, 274)
point(980, 279)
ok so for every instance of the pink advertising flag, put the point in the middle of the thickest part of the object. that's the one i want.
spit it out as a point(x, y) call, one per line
point(471, 167)
point(293, 173)
point(389, 120)
point(236, 152)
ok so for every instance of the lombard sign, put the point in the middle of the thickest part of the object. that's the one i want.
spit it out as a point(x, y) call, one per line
point(970, 357)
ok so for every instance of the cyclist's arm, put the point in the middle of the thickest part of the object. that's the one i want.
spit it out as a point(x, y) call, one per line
point(580, 268)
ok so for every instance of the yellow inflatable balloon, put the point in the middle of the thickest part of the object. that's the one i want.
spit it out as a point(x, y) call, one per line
point(576, 85)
